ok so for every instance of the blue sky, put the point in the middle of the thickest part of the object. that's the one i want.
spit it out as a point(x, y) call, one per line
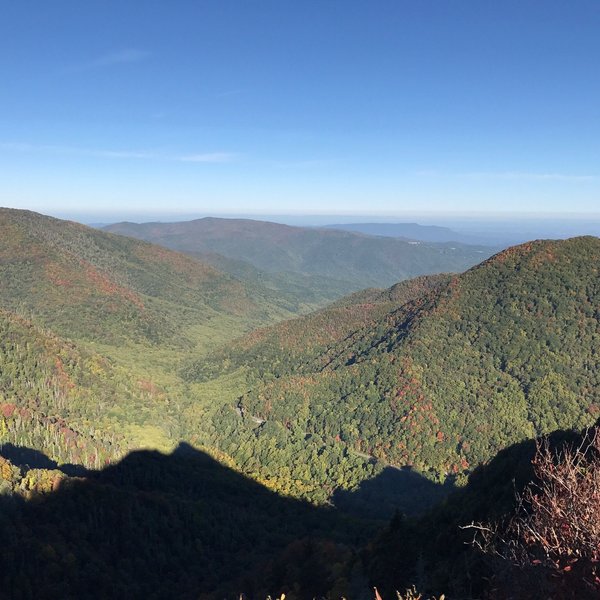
point(381, 108)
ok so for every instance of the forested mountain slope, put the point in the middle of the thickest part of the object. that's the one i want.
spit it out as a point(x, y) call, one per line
point(56, 396)
point(288, 346)
point(504, 352)
point(164, 526)
point(436, 551)
point(306, 263)
point(93, 327)
point(89, 284)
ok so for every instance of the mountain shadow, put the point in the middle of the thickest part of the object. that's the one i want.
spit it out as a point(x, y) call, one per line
point(434, 551)
point(172, 526)
point(394, 490)
point(28, 458)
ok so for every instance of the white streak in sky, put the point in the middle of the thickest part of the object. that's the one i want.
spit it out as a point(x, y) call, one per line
point(211, 157)
point(120, 57)
point(206, 157)
point(511, 175)
point(524, 175)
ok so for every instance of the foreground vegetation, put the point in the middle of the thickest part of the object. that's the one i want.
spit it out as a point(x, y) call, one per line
point(525, 526)
point(183, 525)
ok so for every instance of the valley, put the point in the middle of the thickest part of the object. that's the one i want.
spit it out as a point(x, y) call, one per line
point(299, 300)
point(309, 266)
point(145, 381)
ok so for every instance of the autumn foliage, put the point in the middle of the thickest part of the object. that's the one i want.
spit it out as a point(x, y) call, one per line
point(551, 546)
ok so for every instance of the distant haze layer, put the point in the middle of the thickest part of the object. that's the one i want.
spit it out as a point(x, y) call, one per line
point(493, 229)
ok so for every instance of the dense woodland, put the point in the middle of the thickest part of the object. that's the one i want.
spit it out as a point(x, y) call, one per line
point(316, 456)
point(505, 352)
point(308, 266)
point(157, 526)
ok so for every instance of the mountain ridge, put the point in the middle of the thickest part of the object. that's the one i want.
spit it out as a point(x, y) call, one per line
point(321, 262)
point(48, 261)
point(412, 231)
point(503, 352)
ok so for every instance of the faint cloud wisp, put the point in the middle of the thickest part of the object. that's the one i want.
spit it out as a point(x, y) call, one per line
point(211, 157)
point(206, 157)
point(228, 93)
point(510, 175)
point(519, 175)
point(120, 57)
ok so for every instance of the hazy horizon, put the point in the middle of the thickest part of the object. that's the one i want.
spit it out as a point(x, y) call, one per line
point(499, 230)
point(272, 108)
point(324, 216)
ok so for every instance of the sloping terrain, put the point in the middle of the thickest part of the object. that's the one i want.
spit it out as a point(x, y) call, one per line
point(85, 283)
point(58, 397)
point(308, 263)
point(504, 352)
point(275, 350)
point(93, 326)
point(164, 526)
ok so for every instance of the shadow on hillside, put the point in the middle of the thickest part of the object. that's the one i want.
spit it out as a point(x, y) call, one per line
point(184, 526)
point(172, 526)
point(28, 458)
point(435, 551)
point(393, 490)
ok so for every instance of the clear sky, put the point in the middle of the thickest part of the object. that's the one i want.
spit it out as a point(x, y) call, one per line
point(347, 106)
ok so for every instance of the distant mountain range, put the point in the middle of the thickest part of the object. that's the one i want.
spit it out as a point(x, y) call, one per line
point(90, 284)
point(414, 231)
point(499, 233)
point(307, 264)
